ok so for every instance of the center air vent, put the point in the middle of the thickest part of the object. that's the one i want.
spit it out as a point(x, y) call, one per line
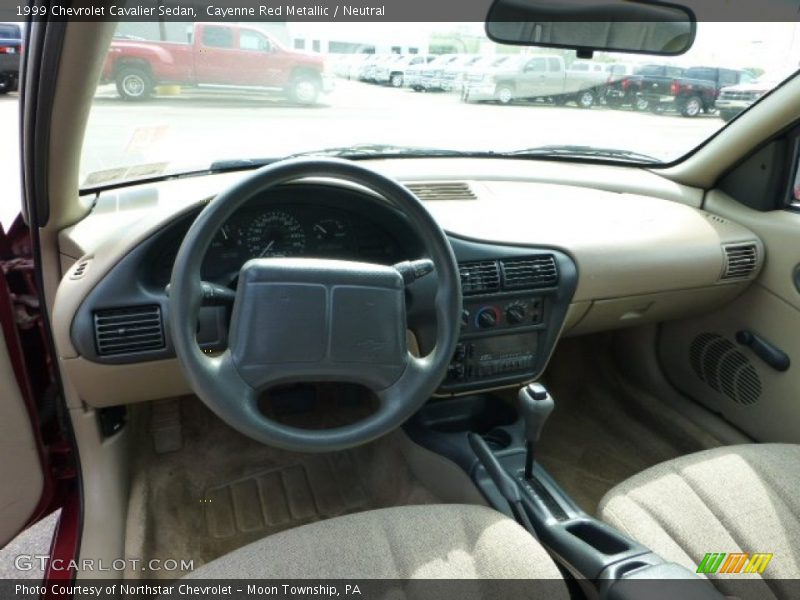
point(529, 272)
point(740, 260)
point(452, 190)
point(125, 330)
point(479, 276)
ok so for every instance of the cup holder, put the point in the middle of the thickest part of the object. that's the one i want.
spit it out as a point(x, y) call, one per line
point(497, 439)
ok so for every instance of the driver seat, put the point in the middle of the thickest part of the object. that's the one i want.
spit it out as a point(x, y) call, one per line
point(448, 541)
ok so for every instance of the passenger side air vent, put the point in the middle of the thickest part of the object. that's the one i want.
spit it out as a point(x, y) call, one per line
point(125, 330)
point(529, 272)
point(480, 276)
point(716, 361)
point(453, 190)
point(740, 260)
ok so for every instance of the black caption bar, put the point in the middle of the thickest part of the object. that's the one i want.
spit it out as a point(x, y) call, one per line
point(336, 10)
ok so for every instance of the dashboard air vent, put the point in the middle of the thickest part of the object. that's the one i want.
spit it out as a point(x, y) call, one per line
point(131, 329)
point(452, 190)
point(479, 276)
point(740, 260)
point(529, 272)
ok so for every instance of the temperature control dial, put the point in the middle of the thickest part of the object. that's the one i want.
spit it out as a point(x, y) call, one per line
point(487, 317)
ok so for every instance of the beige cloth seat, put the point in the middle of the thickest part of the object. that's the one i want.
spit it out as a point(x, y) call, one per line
point(427, 541)
point(731, 499)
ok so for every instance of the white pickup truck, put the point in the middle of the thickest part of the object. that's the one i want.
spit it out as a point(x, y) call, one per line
point(531, 77)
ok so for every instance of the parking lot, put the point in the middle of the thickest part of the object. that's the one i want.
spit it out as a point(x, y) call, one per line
point(190, 129)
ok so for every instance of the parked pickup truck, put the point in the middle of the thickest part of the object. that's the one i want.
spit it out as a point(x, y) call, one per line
point(10, 51)
point(691, 93)
point(627, 90)
point(526, 77)
point(735, 99)
point(216, 55)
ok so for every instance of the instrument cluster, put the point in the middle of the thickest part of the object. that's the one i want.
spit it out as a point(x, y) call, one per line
point(302, 230)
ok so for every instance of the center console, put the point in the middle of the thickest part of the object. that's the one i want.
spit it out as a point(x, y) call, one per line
point(514, 304)
point(492, 440)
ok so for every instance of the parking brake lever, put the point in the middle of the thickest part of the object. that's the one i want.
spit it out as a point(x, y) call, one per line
point(508, 488)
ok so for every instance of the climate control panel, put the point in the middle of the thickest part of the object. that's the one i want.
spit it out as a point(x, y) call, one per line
point(497, 314)
point(514, 304)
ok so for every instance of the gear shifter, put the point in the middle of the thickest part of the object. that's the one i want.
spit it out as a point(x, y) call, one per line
point(535, 405)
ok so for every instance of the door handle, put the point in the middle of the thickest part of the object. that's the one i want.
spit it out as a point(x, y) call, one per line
point(769, 353)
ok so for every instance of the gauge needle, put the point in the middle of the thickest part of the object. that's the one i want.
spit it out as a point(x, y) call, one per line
point(320, 228)
point(268, 248)
point(224, 234)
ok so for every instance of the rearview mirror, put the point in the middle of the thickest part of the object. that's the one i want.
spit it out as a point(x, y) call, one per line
point(634, 26)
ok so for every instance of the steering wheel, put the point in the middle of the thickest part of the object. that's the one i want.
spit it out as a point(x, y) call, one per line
point(309, 319)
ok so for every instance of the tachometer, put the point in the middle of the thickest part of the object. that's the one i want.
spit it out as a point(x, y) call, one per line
point(275, 233)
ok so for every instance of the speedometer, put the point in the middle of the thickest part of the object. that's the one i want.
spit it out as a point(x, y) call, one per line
point(275, 233)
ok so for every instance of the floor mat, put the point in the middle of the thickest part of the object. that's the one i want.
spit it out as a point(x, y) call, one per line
point(219, 490)
point(599, 433)
point(321, 487)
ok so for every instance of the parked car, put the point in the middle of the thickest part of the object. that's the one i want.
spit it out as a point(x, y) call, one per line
point(138, 66)
point(353, 65)
point(394, 72)
point(370, 66)
point(433, 71)
point(10, 53)
point(416, 74)
point(526, 77)
point(614, 72)
point(627, 90)
point(451, 78)
point(735, 99)
point(691, 93)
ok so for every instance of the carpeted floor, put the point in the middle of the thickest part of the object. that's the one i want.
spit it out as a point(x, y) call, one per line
point(219, 490)
point(602, 431)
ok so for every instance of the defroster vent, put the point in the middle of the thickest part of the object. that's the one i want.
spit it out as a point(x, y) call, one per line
point(130, 329)
point(445, 190)
point(529, 272)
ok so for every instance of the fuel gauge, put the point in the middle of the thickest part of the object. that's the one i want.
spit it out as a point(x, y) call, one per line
point(332, 238)
point(327, 230)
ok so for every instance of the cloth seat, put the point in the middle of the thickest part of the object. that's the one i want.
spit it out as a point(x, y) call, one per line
point(733, 499)
point(420, 542)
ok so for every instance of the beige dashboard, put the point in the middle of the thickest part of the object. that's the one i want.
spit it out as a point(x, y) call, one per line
point(644, 249)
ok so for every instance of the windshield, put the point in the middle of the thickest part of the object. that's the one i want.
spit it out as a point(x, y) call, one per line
point(185, 97)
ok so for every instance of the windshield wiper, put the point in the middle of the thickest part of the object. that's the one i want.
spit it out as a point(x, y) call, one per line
point(396, 150)
point(377, 150)
point(353, 151)
point(585, 151)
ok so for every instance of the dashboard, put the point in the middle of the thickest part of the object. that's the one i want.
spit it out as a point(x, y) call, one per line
point(538, 260)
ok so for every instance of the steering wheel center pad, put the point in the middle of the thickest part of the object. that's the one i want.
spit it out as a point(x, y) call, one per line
point(305, 319)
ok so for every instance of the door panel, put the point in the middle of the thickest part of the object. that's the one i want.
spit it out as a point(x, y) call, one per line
point(702, 357)
point(20, 467)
